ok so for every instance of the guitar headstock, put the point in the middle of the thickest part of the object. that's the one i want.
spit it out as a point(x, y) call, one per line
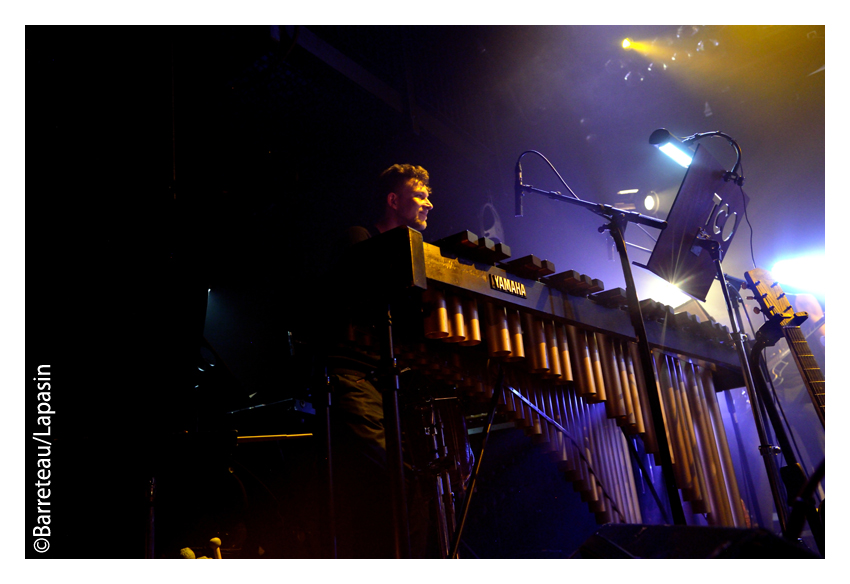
point(772, 299)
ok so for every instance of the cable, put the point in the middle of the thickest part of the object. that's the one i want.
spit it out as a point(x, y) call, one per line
point(647, 478)
point(732, 175)
point(639, 226)
point(579, 448)
point(563, 182)
point(778, 403)
point(747, 217)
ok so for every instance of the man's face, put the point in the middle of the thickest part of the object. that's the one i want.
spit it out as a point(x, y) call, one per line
point(413, 204)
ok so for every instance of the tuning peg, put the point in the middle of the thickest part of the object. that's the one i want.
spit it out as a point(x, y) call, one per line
point(757, 310)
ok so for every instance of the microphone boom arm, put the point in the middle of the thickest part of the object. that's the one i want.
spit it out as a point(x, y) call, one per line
point(604, 210)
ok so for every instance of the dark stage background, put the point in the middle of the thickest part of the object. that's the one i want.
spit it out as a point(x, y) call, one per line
point(187, 183)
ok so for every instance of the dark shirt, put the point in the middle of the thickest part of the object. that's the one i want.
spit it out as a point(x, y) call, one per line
point(352, 342)
point(356, 234)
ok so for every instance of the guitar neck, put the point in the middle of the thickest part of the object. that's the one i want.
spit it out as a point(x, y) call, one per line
point(808, 367)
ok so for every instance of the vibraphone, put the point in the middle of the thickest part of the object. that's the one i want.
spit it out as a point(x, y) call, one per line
point(572, 374)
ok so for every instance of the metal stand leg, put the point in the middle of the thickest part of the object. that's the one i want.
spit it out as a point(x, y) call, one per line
point(323, 414)
point(739, 338)
point(616, 228)
point(494, 401)
point(392, 431)
point(792, 475)
point(447, 516)
point(150, 548)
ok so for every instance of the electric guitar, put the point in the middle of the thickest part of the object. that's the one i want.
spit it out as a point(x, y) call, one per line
point(785, 322)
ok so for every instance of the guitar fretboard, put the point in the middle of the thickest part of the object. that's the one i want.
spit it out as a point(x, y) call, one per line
point(808, 366)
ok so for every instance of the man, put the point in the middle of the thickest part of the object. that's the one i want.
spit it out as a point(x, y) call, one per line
point(404, 198)
point(408, 199)
point(364, 520)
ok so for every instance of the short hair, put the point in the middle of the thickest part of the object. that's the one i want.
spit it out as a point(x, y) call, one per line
point(393, 179)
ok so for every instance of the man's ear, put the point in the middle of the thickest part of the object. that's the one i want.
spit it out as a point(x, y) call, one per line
point(392, 201)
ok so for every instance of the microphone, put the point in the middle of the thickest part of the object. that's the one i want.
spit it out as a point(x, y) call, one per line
point(518, 190)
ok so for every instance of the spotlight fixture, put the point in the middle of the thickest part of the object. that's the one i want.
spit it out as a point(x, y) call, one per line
point(686, 31)
point(678, 150)
point(633, 78)
point(646, 202)
point(671, 146)
point(707, 46)
point(656, 67)
point(615, 66)
point(651, 202)
point(627, 43)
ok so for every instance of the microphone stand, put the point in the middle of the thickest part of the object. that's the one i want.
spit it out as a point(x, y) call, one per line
point(494, 402)
point(766, 449)
point(389, 387)
point(618, 219)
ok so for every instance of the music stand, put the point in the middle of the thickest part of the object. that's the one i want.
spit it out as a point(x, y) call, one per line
point(707, 208)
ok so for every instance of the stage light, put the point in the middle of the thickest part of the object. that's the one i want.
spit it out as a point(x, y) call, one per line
point(647, 202)
point(803, 273)
point(651, 202)
point(615, 66)
point(686, 31)
point(627, 43)
point(678, 150)
point(708, 46)
point(681, 56)
point(625, 199)
point(663, 292)
point(656, 67)
point(633, 78)
point(671, 146)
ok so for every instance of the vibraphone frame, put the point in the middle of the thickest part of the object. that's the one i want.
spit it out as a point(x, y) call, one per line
point(401, 262)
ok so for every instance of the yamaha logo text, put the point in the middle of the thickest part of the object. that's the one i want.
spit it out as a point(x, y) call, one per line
point(509, 286)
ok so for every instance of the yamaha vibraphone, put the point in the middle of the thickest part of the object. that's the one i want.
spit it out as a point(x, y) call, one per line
point(572, 378)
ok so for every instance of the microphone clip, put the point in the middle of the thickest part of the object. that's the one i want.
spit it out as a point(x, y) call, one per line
point(730, 176)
